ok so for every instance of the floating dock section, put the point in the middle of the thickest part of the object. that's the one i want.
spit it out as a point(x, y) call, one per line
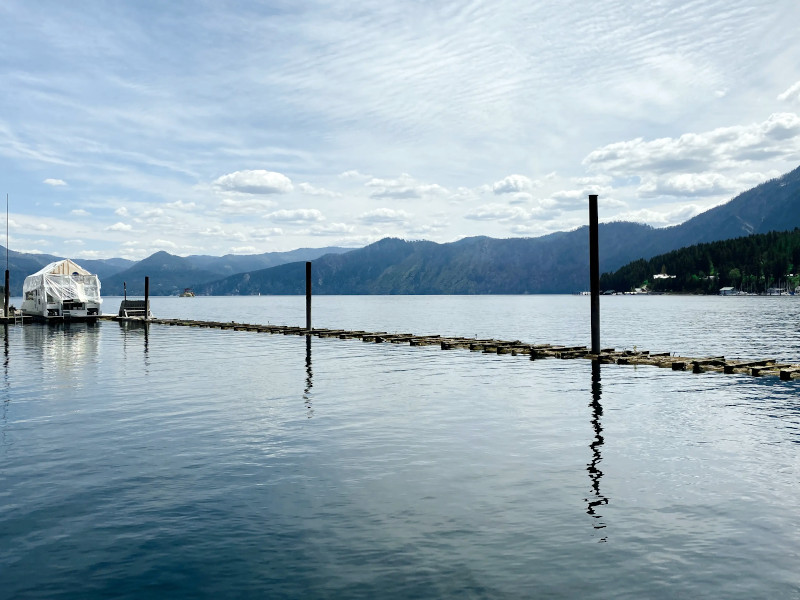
point(756, 368)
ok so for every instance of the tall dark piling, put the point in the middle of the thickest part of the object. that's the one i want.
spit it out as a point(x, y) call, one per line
point(146, 297)
point(594, 272)
point(5, 294)
point(308, 296)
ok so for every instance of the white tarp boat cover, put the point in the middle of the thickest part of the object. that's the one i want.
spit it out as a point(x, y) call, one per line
point(64, 280)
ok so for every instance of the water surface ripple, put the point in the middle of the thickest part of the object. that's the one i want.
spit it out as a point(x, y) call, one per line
point(190, 463)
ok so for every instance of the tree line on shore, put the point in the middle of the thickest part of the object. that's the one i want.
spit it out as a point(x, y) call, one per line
point(753, 263)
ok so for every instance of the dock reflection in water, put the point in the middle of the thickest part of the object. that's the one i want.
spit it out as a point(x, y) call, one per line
point(63, 347)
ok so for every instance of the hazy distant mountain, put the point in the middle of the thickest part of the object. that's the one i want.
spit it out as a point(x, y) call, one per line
point(478, 265)
point(170, 274)
point(548, 264)
point(239, 263)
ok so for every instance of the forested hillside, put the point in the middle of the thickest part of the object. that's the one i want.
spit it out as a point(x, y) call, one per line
point(753, 263)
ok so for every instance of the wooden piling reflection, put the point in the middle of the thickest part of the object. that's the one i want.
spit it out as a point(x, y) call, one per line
point(596, 499)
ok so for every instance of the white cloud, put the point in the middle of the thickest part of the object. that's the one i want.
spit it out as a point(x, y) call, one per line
point(244, 250)
point(384, 215)
point(79, 212)
point(530, 229)
point(512, 184)
point(119, 227)
point(778, 136)
point(165, 244)
point(91, 255)
point(309, 189)
point(75, 242)
point(215, 231)
point(687, 184)
point(464, 194)
point(122, 212)
point(255, 182)
point(403, 188)
point(571, 199)
point(266, 234)
point(791, 95)
point(353, 174)
point(219, 232)
point(180, 205)
point(497, 212)
point(301, 215)
point(426, 229)
point(247, 206)
point(40, 227)
point(55, 182)
point(520, 198)
point(661, 218)
point(331, 229)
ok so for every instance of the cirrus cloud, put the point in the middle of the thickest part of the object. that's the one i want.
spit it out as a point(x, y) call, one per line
point(55, 182)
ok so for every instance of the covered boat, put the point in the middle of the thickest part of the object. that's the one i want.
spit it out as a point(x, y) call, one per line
point(62, 290)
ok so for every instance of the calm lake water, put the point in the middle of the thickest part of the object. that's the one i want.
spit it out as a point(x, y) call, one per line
point(171, 462)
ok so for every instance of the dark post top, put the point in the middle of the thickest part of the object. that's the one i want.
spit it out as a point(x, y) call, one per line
point(594, 272)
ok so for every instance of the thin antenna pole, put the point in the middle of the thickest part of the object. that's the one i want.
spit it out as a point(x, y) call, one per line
point(6, 231)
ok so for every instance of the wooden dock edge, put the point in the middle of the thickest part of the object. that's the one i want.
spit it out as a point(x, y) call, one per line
point(715, 364)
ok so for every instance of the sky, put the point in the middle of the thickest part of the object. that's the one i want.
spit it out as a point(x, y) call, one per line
point(242, 127)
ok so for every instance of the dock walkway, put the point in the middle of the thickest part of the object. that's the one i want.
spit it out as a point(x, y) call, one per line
point(756, 368)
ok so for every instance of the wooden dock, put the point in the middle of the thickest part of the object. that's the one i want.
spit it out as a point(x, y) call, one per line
point(756, 368)
point(15, 319)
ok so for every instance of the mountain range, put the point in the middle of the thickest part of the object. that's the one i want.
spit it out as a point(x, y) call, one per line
point(555, 263)
point(169, 274)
